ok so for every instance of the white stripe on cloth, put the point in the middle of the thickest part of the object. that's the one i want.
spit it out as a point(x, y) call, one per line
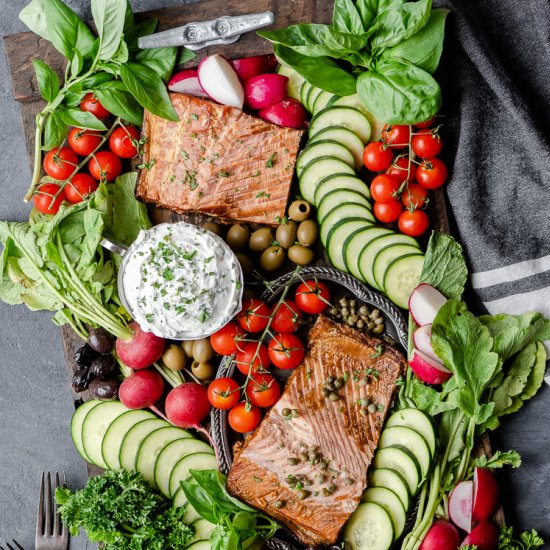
point(512, 272)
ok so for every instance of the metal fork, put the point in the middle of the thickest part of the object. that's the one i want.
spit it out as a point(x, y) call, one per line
point(51, 534)
point(10, 547)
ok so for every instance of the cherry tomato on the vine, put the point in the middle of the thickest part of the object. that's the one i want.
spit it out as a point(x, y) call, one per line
point(105, 166)
point(244, 418)
point(224, 341)
point(44, 198)
point(254, 315)
point(84, 142)
point(287, 318)
point(396, 135)
point(122, 142)
point(312, 297)
point(387, 212)
point(384, 187)
point(425, 124)
point(223, 393)
point(377, 156)
point(79, 187)
point(286, 351)
point(251, 357)
point(60, 163)
point(401, 168)
point(414, 196)
point(426, 144)
point(91, 104)
point(432, 173)
point(263, 390)
point(413, 223)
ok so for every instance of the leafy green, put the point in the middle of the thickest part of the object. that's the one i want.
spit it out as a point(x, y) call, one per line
point(161, 60)
point(81, 119)
point(55, 131)
point(116, 98)
point(346, 18)
point(185, 55)
point(527, 540)
point(48, 81)
point(109, 21)
point(498, 460)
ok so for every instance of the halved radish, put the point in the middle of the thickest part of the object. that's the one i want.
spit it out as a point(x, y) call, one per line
point(422, 338)
point(220, 81)
point(187, 82)
point(460, 505)
point(424, 303)
point(485, 495)
point(428, 370)
point(484, 536)
point(441, 536)
point(247, 67)
point(265, 90)
point(289, 113)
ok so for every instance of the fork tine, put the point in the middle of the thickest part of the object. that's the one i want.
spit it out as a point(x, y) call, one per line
point(10, 547)
point(40, 517)
point(48, 497)
point(17, 544)
point(56, 517)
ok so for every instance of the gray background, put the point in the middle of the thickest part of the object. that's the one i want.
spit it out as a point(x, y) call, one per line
point(36, 405)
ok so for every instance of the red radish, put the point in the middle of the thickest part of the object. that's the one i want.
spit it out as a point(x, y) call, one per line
point(187, 405)
point(220, 81)
point(441, 536)
point(187, 82)
point(460, 505)
point(484, 536)
point(289, 113)
point(485, 495)
point(271, 63)
point(424, 303)
point(142, 350)
point(428, 370)
point(141, 389)
point(422, 338)
point(265, 90)
point(247, 67)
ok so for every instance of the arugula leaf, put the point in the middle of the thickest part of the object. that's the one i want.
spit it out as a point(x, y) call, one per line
point(498, 460)
point(109, 18)
point(346, 18)
point(48, 81)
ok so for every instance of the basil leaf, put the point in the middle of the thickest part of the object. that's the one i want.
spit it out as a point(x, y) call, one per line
point(109, 17)
point(185, 55)
point(322, 72)
point(200, 500)
point(55, 131)
point(149, 90)
point(425, 47)
point(116, 98)
point(77, 62)
point(81, 119)
point(48, 81)
point(73, 99)
point(369, 9)
point(398, 92)
point(346, 18)
point(161, 60)
point(142, 29)
point(91, 82)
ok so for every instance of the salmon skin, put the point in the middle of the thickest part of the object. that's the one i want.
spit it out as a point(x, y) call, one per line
point(323, 447)
point(217, 160)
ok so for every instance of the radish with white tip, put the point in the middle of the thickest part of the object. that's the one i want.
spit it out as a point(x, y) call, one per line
point(428, 370)
point(424, 303)
point(220, 81)
point(187, 82)
point(460, 505)
point(422, 339)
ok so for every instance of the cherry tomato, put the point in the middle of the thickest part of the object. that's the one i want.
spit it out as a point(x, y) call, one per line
point(60, 163)
point(83, 142)
point(387, 212)
point(44, 198)
point(312, 297)
point(92, 105)
point(254, 315)
point(287, 318)
point(413, 223)
point(377, 156)
point(384, 187)
point(426, 144)
point(396, 135)
point(401, 167)
point(415, 196)
point(122, 142)
point(432, 173)
point(244, 418)
point(79, 187)
point(105, 166)
point(425, 124)
point(224, 341)
point(223, 393)
point(251, 355)
point(286, 351)
point(263, 390)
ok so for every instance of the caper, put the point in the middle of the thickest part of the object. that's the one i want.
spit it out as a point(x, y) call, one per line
point(247, 265)
point(299, 210)
point(331, 488)
point(334, 396)
point(326, 392)
point(295, 413)
point(354, 317)
point(286, 412)
point(174, 357)
point(202, 350)
point(349, 481)
point(360, 323)
point(312, 455)
point(303, 457)
point(353, 302)
point(214, 227)
point(378, 329)
point(363, 310)
point(371, 325)
point(308, 232)
point(326, 492)
point(321, 478)
point(353, 311)
point(300, 255)
point(363, 412)
point(333, 311)
point(100, 340)
point(237, 236)
point(372, 408)
point(303, 494)
point(203, 371)
point(278, 504)
point(331, 378)
point(272, 258)
point(345, 312)
point(330, 386)
point(187, 346)
point(338, 383)
point(375, 313)
point(286, 234)
point(323, 466)
point(293, 461)
point(260, 239)
point(350, 321)
point(300, 477)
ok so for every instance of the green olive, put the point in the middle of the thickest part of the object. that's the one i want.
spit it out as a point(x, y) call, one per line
point(272, 258)
point(300, 254)
point(237, 236)
point(202, 350)
point(299, 210)
point(187, 346)
point(260, 239)
point(174, 357)
point(286, 234)
point(308, 231)
point(203, 371)
point(216, 228)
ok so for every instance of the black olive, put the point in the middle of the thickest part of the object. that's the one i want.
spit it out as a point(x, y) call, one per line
point(81, 379)
point(84, 356)
point(104, 389)
point(103, 366)
point(100, 340)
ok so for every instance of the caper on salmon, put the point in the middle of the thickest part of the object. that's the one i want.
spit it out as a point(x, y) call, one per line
point(307, 233)
point(300, 255)
point(272, 258)
point(360, 316)
point(237, 237)
point(260, 239)
point(299, 210)
point(286, 234)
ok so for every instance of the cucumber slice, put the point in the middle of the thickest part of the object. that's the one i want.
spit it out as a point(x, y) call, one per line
point(353, 101)
point(318, 169)
point(324, 148)
point(341, 196)
point(114, 436)
point(402, 461)
point(349, 117)
point(196, 461)
point(295, 80)
point(200, 545)
point(384, 477)
point(369, 528)
point(336, 238)
point(417, 420)
point(312, 97)
point(323, 100)
point(203, 529)
point(171, 454)
point(391, 503)
point(385, 257)
point(76, 425)
point(346, 137)
point(342, 212)
point(132, 441)
point(305, 88)
point(402, 277)
point(356, 243)
point(410, 439)
point(95, 426)
point(337, 182)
